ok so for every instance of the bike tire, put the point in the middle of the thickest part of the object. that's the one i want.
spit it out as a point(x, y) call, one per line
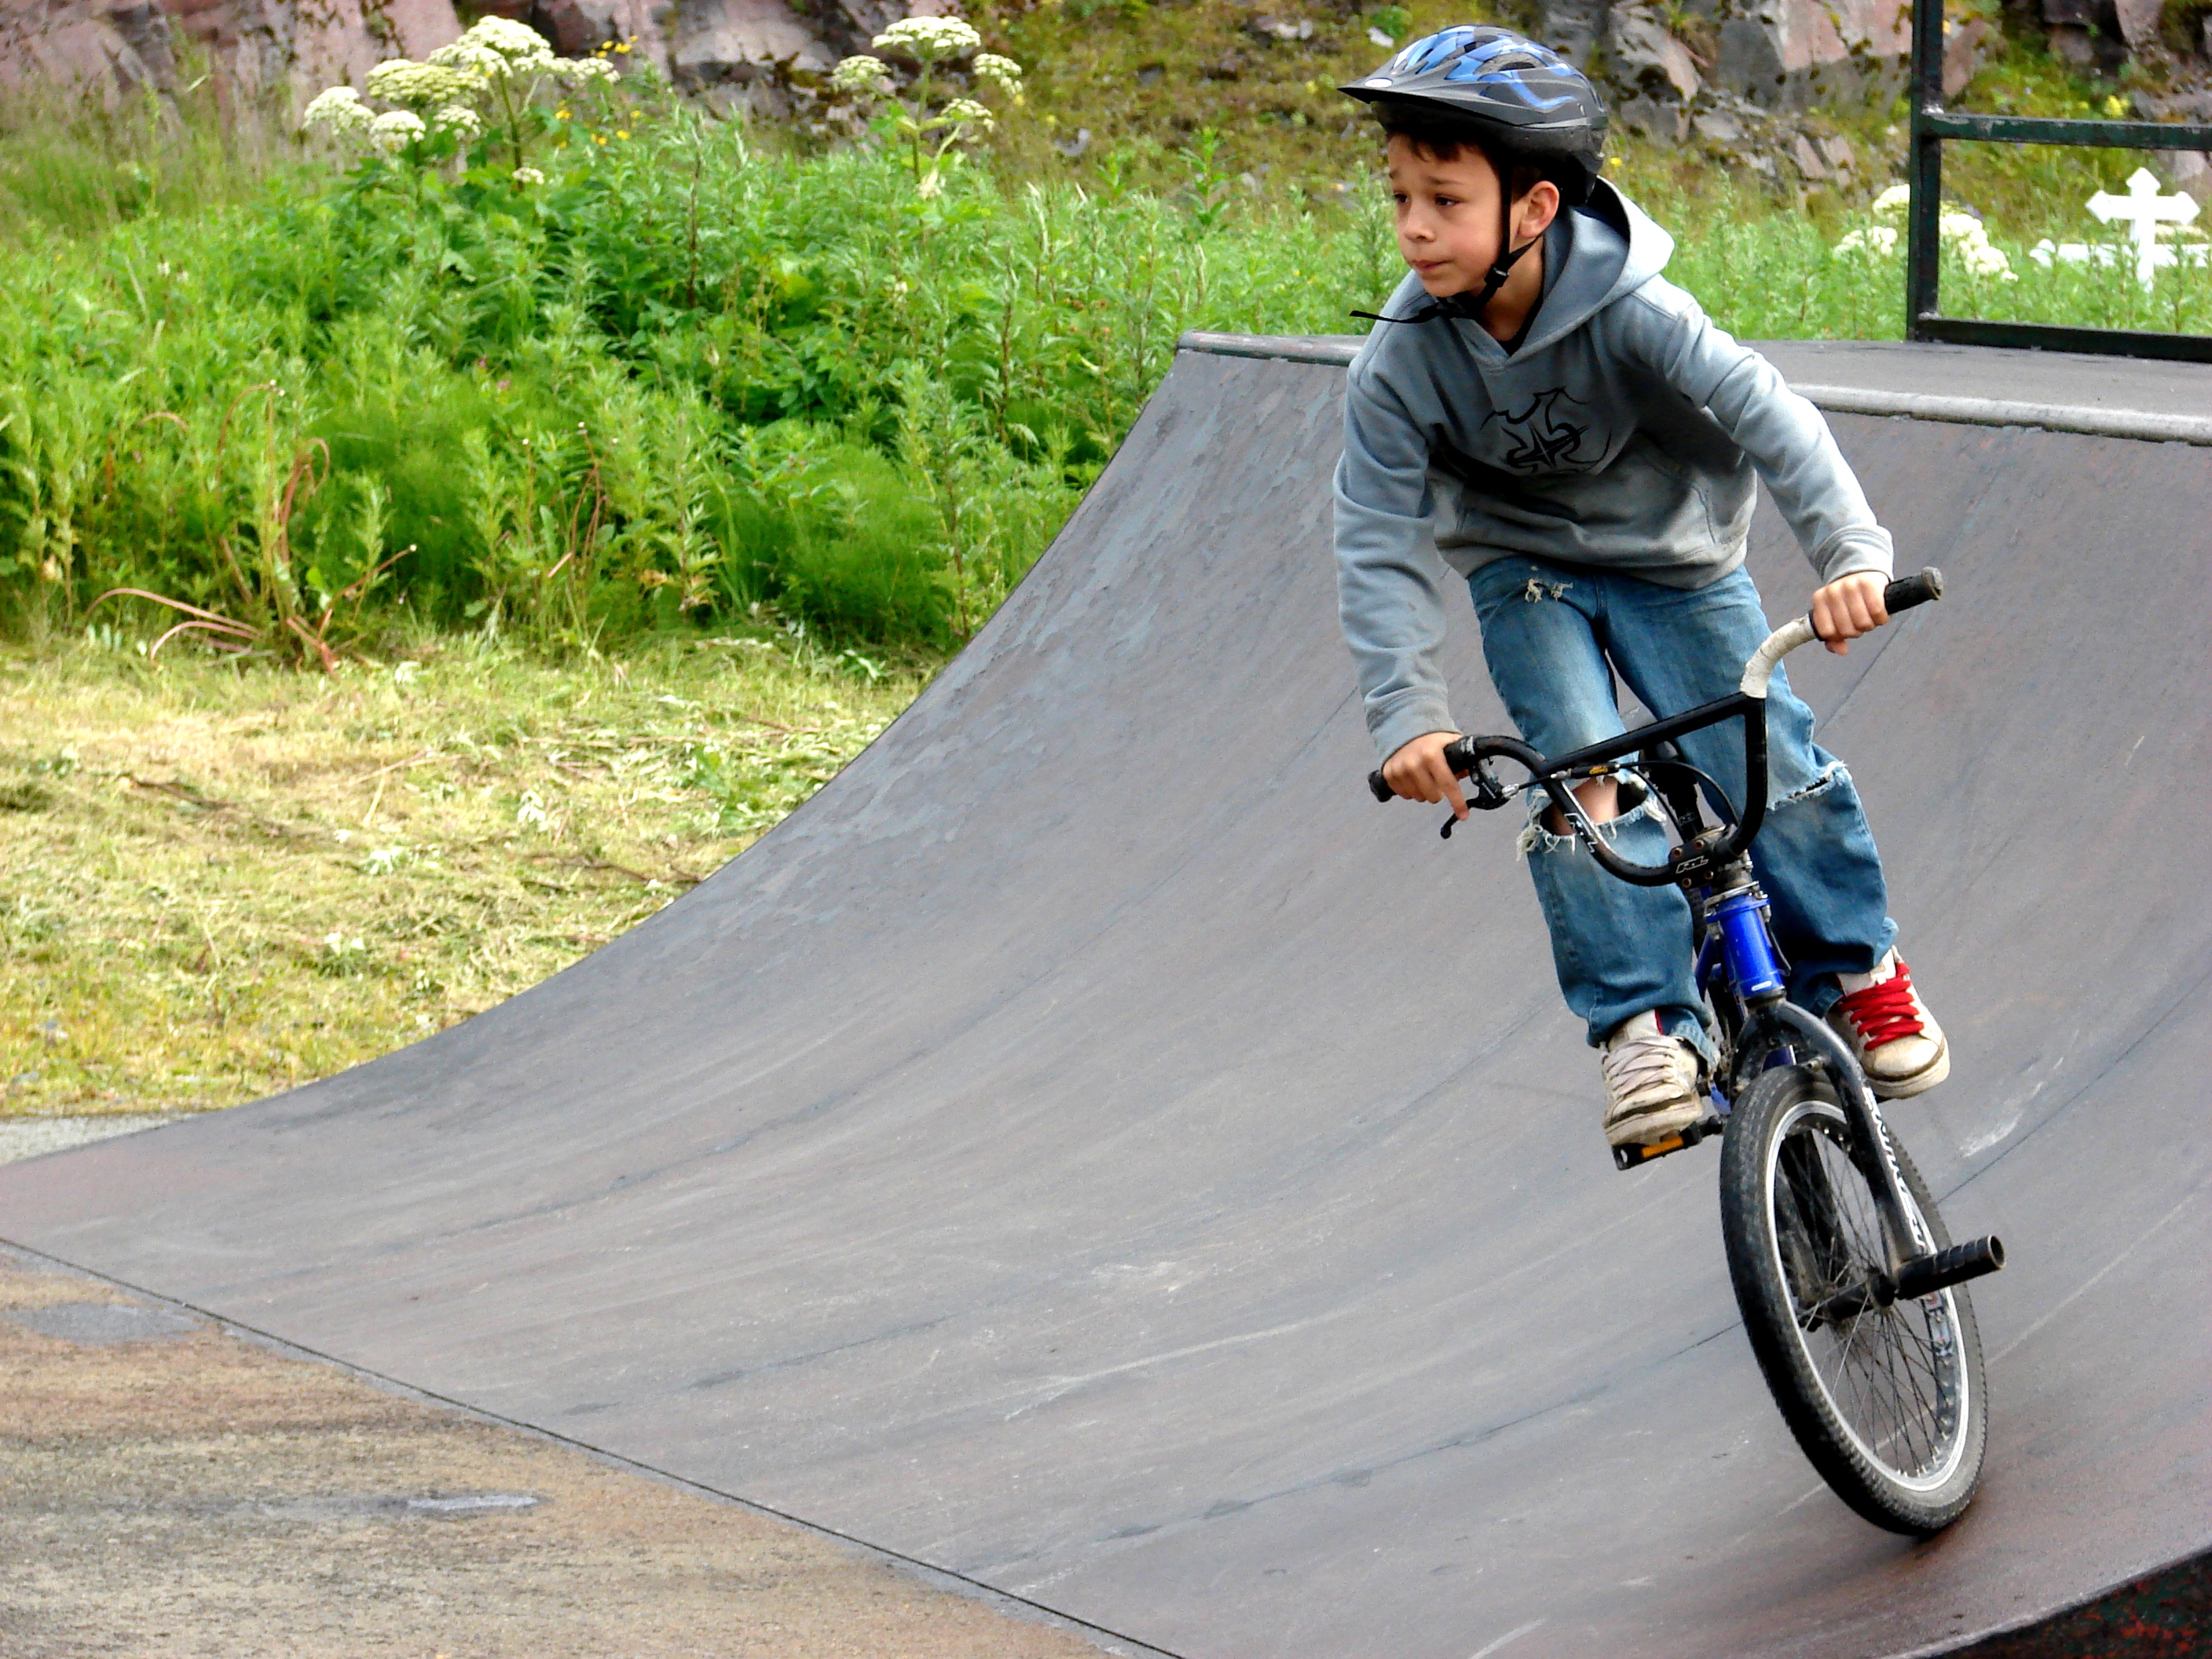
point(1889, 1407)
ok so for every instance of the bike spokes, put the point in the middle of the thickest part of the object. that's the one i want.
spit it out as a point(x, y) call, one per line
point(1882, 1391)
point(1890, 1369)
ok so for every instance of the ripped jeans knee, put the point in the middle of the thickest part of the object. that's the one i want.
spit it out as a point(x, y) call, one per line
point(1535, 837)
point(1829, 776)
point(1619, 949)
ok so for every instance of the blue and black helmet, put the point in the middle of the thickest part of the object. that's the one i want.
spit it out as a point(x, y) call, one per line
point(1523, 98)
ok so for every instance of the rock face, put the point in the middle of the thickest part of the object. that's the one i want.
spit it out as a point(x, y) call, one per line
point(745, 43)
point(1791, 52)
point(753, 53)
point(1724, 73)
point(1778, 53)
point(252, 47)
point(740, 51)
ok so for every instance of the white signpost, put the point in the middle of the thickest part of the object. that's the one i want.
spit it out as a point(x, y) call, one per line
point(2143, 210)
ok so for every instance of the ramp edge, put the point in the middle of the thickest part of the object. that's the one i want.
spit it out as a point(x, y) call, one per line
point(2139, 423)
point(2144, 425)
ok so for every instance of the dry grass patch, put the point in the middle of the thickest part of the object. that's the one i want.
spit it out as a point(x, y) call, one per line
point(217, 883)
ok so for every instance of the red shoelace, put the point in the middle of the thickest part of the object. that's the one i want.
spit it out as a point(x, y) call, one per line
point(1884, 1012)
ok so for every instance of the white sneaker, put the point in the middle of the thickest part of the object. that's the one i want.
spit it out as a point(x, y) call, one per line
point(1896, 1040)
point(1654, 1083)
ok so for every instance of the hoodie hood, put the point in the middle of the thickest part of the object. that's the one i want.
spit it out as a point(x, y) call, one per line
point(1614, 248)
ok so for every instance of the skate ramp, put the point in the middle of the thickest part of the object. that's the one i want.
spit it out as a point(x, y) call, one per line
point(1094, 1148)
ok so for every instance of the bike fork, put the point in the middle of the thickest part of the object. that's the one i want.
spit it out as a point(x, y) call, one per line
point(1899, 1244)
point(1912, 1270)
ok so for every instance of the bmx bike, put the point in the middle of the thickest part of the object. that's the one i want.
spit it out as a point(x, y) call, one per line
point(1852, 1293)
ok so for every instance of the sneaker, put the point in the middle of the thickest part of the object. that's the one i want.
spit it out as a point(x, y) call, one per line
point(1896, 1040)
point(1654, 1083)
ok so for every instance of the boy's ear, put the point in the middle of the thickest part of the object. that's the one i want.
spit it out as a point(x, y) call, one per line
point(1534, 213)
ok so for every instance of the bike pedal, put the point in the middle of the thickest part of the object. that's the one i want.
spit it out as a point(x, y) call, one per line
point(1635, 1158)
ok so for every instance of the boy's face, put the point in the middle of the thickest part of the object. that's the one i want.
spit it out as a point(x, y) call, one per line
point(1447, 215)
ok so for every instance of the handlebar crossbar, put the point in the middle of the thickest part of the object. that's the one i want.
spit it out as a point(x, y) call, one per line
point(1647, 737)
point(1698, 858)
point(1690, 861)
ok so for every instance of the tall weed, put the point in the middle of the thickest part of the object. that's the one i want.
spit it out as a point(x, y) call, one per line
point(691, 379)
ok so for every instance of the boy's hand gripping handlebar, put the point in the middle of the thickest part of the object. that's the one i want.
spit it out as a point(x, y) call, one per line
point(1900, 595)
point(1466, 756)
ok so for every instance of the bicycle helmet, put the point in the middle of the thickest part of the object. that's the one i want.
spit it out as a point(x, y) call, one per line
point(1522, 98)
point(1520, 101)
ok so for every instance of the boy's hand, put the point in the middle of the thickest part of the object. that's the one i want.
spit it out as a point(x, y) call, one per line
point(1846, 608)
point(1417, 771)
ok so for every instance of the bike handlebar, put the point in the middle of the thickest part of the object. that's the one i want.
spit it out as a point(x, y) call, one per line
point(1465, 754)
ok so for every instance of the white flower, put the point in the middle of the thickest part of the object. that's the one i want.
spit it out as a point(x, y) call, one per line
point(930, 39)
point(971, 117)
point(399, 82)
point(395, 130)
point(459, 118)
point(1981, 259)
point(1970, 241)
point(528, 176)
point(579, 71)
point(497, 48)
point(338, 112)
point(863, 76)
point(1961, 229)
point(466, 56)
point(1002, 72)
point(1875, 242)
point(1893, 201)
point(518, 43)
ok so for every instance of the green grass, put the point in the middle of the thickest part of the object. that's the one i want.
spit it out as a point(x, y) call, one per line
point(686, 377)
point(72, 167)
point(701, 370)
point(217, 883)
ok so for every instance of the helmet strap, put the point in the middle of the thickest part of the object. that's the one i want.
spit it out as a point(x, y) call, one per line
point(1508, 256)
point(1471, 307)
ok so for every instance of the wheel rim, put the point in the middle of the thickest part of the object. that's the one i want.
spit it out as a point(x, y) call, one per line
point(1894, 1377)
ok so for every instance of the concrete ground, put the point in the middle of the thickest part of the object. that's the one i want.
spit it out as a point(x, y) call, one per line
point(35, 1136)
point(167, 1488)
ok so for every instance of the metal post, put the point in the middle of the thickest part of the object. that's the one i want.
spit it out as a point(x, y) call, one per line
point(1932, 127)
point(1923, 244)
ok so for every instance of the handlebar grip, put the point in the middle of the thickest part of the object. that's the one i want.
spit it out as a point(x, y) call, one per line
point(1908, 591)
point(1459, 755)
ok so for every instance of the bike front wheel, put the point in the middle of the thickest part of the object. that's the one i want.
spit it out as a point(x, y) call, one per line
point(1886, 1401)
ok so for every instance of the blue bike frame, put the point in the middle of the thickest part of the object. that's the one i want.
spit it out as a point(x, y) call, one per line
point(1739, 970)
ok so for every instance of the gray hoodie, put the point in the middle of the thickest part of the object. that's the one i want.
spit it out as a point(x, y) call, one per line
point(1626, 434)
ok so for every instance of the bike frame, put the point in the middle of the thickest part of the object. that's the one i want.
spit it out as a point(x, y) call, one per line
point(1739, 970)
point(1738, 958)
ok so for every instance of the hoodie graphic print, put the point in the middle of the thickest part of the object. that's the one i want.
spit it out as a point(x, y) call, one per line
point(1626, 434)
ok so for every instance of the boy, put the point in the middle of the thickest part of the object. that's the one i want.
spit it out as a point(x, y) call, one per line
point(1567, 430)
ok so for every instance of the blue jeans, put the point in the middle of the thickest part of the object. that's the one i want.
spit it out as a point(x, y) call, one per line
point(1554, 640)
